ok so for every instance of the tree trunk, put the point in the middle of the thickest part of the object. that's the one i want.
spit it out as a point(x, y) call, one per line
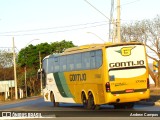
point(153, 76)
point(158, 81)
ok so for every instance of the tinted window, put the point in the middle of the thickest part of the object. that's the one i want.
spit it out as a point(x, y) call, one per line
point(98, 58)
point(50, 65)
point(78, 61)
point(63, 63)
point(70, 62)
point(93, 59)
point(86, 60)
point(56, 64)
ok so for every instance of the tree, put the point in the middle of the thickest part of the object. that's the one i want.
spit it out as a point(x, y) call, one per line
point(6, 73)
point(29, 58)
point(6, 65)
point(6, 59)
point(59, 47)
point(147, 32)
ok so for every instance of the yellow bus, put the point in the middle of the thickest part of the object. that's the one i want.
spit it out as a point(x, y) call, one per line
point(97, 74)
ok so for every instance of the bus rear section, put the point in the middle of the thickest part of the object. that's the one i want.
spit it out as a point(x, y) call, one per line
point(127, 74)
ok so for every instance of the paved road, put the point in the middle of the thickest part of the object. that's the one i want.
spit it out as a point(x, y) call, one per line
point(65, 111)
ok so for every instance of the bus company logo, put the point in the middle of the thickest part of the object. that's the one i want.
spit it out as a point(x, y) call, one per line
point(125, 51)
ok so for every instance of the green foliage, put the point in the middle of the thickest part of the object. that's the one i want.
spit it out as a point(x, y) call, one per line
point(29, 57)
point(59, 47)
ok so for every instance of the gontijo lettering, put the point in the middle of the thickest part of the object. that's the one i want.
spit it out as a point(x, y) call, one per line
point(126, 64)
point(78, 77)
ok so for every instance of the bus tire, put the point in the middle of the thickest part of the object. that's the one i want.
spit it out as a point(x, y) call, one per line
point(91, 104)
point(55, 104)
point(84, 100)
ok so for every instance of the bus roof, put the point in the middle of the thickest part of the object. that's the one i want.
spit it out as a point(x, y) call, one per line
point(90, 47)
point(84, 47)
point(97, 46)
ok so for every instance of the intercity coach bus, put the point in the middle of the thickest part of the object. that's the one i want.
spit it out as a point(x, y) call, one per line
point(97, 74)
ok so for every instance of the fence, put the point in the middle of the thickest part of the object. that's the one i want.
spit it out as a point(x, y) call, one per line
point(5, 85)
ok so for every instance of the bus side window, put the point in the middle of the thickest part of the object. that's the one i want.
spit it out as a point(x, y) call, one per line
point(45, 70)
point(63, 63)
point(78, 61)
point(56, 64)
point(86, 60)
point(92, 59)
point(70, 62)
point(49, 66)
point(43, 79)
point(98, 58)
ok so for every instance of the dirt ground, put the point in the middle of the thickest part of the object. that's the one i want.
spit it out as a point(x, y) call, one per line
point(155, 94)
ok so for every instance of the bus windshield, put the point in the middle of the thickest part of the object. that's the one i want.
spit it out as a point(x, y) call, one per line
point(126, 61)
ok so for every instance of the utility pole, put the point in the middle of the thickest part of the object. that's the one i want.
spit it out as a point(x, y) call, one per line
point(25, 77)
point(40, 64)
point(114, 35)
point(118, 22)
point(111, 21)
point(15, 74)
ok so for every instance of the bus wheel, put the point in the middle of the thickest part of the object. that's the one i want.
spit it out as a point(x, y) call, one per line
point(90, 104)
point(55, 104)
point(84, 100)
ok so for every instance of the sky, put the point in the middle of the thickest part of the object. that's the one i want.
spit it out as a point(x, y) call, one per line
point(39, 21)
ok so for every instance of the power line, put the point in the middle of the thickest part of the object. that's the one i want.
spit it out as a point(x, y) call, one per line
point(59, 27)
point(67, 30)
point(97, 9)
point(130, 2)
point(112, 10)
